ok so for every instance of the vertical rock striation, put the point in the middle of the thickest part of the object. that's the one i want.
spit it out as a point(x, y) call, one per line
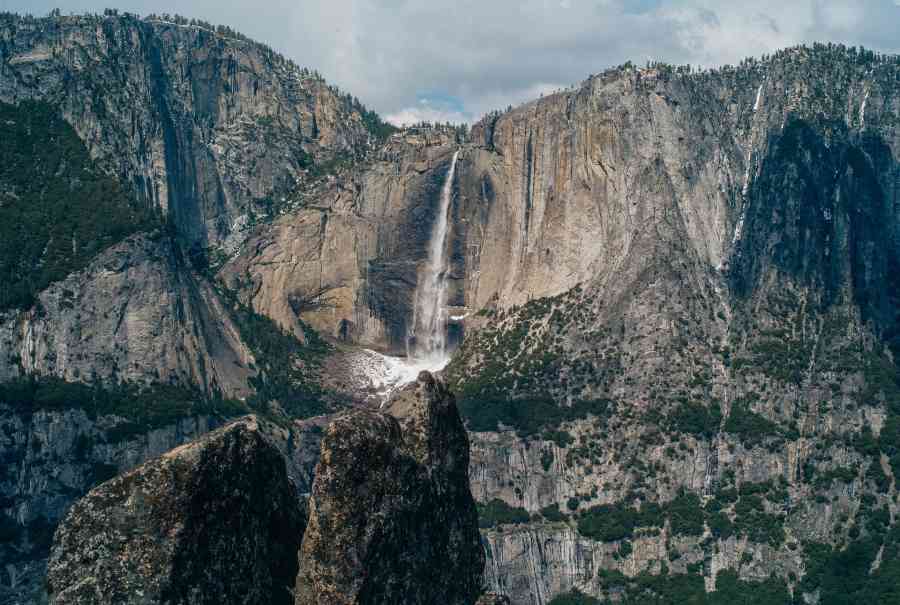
point(208, 127)
point(346, 258)
point(137, 313)
point(686, 284)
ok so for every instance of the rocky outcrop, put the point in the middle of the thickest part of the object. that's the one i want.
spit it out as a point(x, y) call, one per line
point(391, 516)
point(49, 459)
point(137, 313)
point(213, 521)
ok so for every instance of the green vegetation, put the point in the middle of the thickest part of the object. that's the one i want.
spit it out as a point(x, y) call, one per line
point(686, 514)
point(843, 576)
point(528, 416)
point(288, 367)
point(574, 597)
point(553, 514)
point(748, 425)
point(374, 124)
point(144, 407)
point(546, 459)
point(883, 383)
point(843, 475)
point(777, 355)
point(662, 589)
point(332, 165)
point(10, 531)
point(695, 418)
point(752, 520)
point(609, 522)
point(57, 209)
point(497, 512)
point(516, 385)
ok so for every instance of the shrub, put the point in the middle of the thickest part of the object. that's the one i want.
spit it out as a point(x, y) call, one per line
point(144, 407)
point(497, 512)
point(748, 425)
point(686, 514)
point(608, 523)
point(696, 419)
point(553, 514)
point(574, 597)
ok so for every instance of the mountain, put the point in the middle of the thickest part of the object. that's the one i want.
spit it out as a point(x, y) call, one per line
point(684, 361)
point(675, 298)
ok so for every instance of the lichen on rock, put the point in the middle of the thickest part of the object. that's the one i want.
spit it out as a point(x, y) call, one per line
point(214, 521)
point(392, 519)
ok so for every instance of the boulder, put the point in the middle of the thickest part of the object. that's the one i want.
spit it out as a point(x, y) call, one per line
point(392, 519)
point(214, 521)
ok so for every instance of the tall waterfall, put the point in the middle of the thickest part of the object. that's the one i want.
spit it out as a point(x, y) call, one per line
point(429, 342)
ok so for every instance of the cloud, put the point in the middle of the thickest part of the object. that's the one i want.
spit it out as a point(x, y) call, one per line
point(413, 115)
point(492, 53)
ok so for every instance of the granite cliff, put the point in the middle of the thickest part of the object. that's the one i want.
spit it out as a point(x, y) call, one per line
point(684, 362)
point(677, 294)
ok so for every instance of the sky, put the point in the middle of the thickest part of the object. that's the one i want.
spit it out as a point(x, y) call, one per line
point(454, 60)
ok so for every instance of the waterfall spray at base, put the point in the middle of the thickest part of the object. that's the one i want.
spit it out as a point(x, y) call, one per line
point(428, 344)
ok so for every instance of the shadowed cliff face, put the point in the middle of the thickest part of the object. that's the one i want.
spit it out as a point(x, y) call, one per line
point(391, 516)
point(210, 522)
point(822, 217)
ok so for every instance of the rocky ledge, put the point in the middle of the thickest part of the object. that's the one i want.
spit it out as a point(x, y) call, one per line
point(214, 521)
point(391, 518)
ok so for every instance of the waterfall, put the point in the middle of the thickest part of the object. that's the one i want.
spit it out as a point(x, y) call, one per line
point(429, 342)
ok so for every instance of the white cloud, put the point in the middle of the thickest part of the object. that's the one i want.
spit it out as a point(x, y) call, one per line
point(414, 115)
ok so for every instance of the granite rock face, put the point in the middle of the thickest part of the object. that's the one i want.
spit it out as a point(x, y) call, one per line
point(211, 131)
point(53, 457)
point(49, 459)
point(345, 257)
point(391, 516)
point(214, 521)
point(137, 313)
point(210, 128)
point(687, 284)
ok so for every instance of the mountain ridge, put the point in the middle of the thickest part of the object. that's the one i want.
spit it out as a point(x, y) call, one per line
point(678, 295)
